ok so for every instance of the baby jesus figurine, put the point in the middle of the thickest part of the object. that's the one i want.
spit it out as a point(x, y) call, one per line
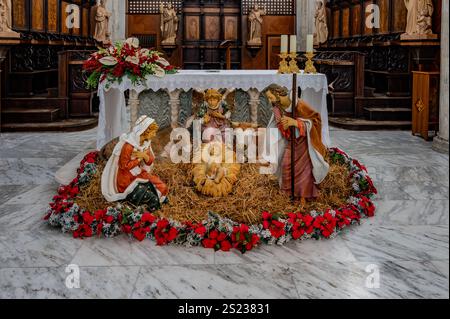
point(309, 151)
point(128, 173)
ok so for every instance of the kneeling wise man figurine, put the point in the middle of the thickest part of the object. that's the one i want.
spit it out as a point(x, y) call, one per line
point(310, 166)
point(128, 173)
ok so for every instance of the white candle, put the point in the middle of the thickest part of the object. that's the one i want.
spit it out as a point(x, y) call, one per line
point(284, 44)
point(293, 44)
point(310, 43)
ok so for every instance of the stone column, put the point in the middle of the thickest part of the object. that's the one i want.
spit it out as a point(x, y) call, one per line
point(254, 105)
point(305, 21)
point(440, 143)
point(133, 104)
point(174, 103)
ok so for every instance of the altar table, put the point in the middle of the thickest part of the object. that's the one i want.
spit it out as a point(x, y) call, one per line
point(114, 119)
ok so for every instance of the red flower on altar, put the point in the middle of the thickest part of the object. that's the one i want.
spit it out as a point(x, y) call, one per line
point(301, 225)
point(164, 233)
point(326, 224)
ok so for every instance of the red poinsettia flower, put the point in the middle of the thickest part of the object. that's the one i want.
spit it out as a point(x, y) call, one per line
point(140, 234)
point(164, 233)
point(83, 231)
point(326, 224)
point(88, 219)
point(301, 225)
point(242, 239)
point(201, 230)
point(368, 207)
point(148, 218)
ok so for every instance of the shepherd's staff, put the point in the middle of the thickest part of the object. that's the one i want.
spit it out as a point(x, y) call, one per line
point(293, 131)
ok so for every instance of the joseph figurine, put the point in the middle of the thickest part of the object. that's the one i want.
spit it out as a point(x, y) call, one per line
point(310, 166)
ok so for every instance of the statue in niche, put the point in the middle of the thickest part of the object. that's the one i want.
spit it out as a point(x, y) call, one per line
point(102, 16)
point(255, 21)
point(6, 18)
point(128, 172)
point(320, 22)
point(420, 18)
point(169, 24)
point(425, 17)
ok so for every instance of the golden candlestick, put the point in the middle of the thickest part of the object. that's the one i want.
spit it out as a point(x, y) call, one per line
point(284, 67)
point(293, 67)
point(309, 65)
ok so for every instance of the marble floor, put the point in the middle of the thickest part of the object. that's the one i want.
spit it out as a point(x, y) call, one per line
point(402, 253)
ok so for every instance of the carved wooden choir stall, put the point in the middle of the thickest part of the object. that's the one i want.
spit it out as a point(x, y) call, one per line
point(376, 93)
point(43, 44)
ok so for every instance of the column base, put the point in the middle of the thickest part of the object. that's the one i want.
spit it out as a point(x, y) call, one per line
point(440, 145)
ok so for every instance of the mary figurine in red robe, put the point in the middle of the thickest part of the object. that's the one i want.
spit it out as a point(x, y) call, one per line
point(128, 175)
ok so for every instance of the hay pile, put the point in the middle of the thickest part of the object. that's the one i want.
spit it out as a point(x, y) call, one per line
point(253, 194)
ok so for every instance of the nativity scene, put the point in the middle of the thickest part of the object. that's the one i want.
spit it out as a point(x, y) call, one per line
point(214, 140)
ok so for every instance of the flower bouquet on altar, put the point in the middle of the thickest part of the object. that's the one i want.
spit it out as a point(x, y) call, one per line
point(125, 59)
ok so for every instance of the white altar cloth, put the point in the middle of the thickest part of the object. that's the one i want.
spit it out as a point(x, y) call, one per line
point(113, 120)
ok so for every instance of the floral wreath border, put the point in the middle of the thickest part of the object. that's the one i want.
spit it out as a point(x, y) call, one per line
point(216, 232)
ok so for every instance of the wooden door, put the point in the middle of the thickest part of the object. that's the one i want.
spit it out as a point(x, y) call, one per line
point(206, 24)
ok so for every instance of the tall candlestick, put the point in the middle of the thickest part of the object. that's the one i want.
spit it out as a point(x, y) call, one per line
point(310, 43)
point(293, 44)
point(284, 44)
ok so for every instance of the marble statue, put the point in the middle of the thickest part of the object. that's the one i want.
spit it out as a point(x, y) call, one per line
point(309, 152)
point(6, 19)
point(320, 23)
point(102, 17)
point(169, 24)
point(419, 19)
point(255, 21)
point(128, 172)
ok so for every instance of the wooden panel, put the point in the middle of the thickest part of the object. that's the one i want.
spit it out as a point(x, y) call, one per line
point(273, 51)
point(231, 28)
point(37, 15)
point(336, 23)
point(346, 22)
point(212, 29)
point(52, 15)
point(356, 18)
point(399, 15)
point(385, 14)
point(19, 14)
point(192, 28)
point(367, 30)
point(64, 28)
point(85, 22)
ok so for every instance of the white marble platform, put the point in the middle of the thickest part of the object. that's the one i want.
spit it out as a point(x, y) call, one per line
point(408, 240)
